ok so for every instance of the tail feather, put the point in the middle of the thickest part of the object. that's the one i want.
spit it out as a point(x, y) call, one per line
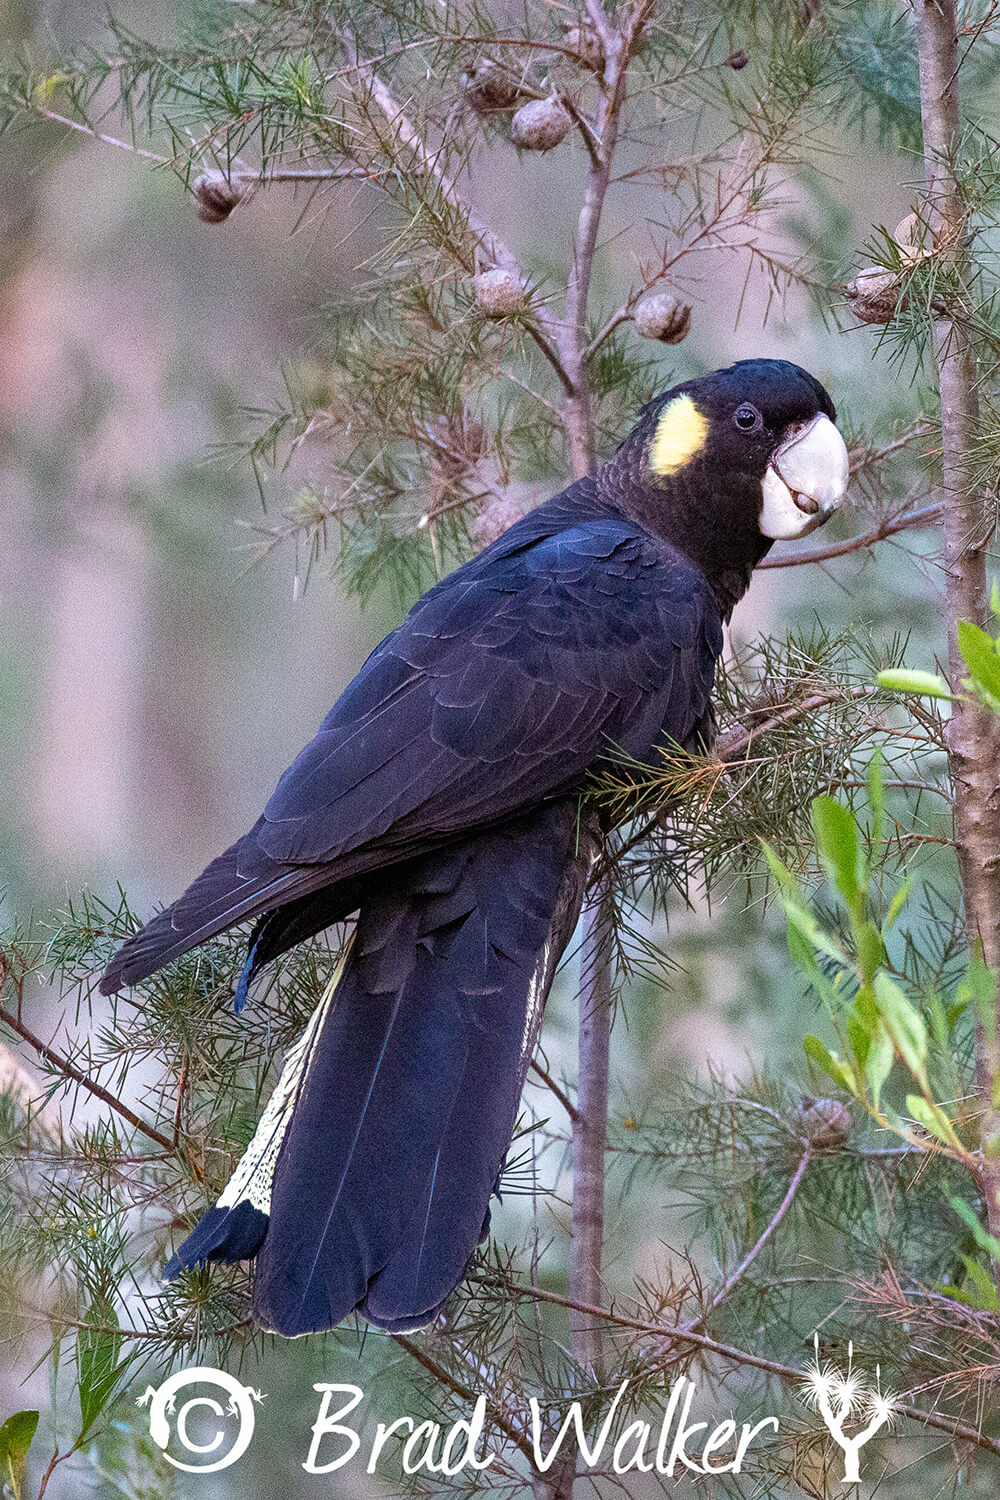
point(373, 1166)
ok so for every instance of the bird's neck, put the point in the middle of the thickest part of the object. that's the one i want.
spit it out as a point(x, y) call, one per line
point(714, 525)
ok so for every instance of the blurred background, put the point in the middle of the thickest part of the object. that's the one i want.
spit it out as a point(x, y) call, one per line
point(157, 672)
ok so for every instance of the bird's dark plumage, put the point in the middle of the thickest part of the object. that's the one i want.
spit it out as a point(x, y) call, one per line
point(439, 799)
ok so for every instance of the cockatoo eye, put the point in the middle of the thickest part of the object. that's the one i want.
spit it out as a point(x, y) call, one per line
point(748, 418)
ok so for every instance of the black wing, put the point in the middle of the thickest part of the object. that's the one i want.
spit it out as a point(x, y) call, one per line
point(502, 686)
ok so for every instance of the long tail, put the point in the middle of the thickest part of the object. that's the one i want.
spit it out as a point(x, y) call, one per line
point(367, 1184)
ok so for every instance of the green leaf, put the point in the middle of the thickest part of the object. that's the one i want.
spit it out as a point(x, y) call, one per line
point(970, 1219)
point(781, 872)
point(984, 1292)
point(15, 1440)
point(803, 955)
point(862, 1019)
point(802, 919)
point(870, 949)
point(904, 1024)
point(878, 1064)
point(924, 684)
point(841, 1072)
point(937, 1015)
point(797, 910)
point(876, 794)
point(98, 1345)
point(978, 988)
point(980, 656)
point(932, 1117)
point(839, 848)
point(897, 903)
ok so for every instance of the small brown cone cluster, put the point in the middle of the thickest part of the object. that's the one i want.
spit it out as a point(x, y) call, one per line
point(494, 519)
point(217, 195)
point(539, 125)
point(489, 88)
point(825, 1123)
point(497, 293)
point(663, 317)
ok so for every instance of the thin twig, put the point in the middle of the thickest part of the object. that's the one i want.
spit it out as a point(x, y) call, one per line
point(74, 1074)
point(891, 526)
point(740, 1271)
point(560, 1093)
point(735, 1355)
point(458, 1388)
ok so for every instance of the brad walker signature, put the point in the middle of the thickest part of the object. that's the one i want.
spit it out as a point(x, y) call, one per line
point(675, 1444)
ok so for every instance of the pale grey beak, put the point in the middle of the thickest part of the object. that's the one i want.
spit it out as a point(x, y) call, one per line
point(805, 480)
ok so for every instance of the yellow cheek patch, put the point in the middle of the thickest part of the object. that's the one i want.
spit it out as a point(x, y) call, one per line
point(680, 433)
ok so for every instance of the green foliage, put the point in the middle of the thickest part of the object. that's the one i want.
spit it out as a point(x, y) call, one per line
point(100, 1367)
point(759, 1210)
point(980, 652)
point(16, 1436)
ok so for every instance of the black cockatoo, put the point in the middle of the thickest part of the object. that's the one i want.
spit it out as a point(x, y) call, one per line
point(440, 800)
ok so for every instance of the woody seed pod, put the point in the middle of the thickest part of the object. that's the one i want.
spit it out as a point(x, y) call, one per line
point(873, 295)
point(498, 293)
point(914, 239)
point(489, 88)
point(586, 44)
point(539, 125)
point(217, 195)
point(664, 317)
point(825, 1123)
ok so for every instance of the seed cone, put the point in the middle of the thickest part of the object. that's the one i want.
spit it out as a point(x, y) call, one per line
point(490, 88)
point(873, 295)
point(663, 317)
point(498, 294)
point(217, 195)
point(825, 1123)
point(539, 125)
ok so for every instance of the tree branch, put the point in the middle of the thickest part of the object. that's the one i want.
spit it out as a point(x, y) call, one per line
point(459, 1388)
point(73, 1074)
point(730, 1352)
point(541, 326)
point(736, 1276)
point(590, 1128)
point(594, 1001)
point(891, 526)
point(560, 1093)
point(973, 735)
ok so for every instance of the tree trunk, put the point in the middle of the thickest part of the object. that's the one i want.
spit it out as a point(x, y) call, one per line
point(974, 732)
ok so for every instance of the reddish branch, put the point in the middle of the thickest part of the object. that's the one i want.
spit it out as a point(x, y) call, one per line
point(459, 1388)
point(891, 526)
point(73, 1074)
